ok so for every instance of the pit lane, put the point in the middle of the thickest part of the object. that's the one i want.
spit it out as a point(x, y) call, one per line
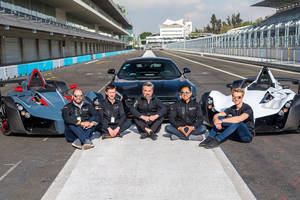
point(269, 165)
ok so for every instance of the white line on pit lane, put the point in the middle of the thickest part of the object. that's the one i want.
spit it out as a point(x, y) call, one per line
point(91, 62)
point(10, 170)
point(103, 86)
point(208, 66)
point(236, 62)
point(45, 139)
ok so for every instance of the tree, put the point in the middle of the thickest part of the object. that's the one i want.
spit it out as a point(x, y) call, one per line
point(225, 28)
point(144, 35)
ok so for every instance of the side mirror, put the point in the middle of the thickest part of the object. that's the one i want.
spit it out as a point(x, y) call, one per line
point(111, 71)
point(73, 87)
point(186, 70)
point(229, 85)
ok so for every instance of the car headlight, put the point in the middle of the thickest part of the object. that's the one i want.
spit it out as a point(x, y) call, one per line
point(27, 115)
point(96, 102)
point(210, 103)
point(119, 96)
point(19, 107)
point(281, 113)
point(288, 104)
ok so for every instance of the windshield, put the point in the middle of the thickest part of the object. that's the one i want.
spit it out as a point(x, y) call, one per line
point(149, 70)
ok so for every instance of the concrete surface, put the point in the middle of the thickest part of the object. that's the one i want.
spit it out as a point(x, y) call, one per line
point(131, 168)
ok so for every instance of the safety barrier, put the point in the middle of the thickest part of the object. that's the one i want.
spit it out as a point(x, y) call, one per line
point(13, 71)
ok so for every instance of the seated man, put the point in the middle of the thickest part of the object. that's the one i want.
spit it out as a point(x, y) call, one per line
point(239, 122)
point(114, 118)
point(148, 112)
point(186, 118)
point(80, 119)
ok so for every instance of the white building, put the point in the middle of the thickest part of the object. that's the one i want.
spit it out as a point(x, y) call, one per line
point(175, 29)
point(170, 31)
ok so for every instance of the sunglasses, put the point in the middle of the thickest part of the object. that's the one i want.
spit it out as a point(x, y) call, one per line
point(237, 97)
point(78, 95)
point(186, 92)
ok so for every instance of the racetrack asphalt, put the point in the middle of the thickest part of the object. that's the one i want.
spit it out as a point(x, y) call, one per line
point(269, 165)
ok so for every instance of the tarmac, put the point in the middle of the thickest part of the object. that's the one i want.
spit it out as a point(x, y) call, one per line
point(131, 168)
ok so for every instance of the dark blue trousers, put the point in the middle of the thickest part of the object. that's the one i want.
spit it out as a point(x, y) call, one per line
point(238, 131)
point(172, 130)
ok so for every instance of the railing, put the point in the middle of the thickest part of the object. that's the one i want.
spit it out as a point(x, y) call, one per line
point(34, 18)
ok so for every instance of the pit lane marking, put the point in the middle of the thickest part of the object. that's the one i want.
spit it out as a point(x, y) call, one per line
point(103, 61)
point(103, 86)
point(45, 139)
point(236, 62)
point(10, 170)
point(93, 61)
point(208, 66)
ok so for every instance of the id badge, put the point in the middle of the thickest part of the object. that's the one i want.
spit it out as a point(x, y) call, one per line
point(112, 120)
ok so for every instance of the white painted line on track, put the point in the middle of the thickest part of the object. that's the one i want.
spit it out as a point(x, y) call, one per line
point(10, 170)
point(93, 61)
point(103, 86)
point(148, 53)
point(208, 66)
point(45, 139)
point(236, 62)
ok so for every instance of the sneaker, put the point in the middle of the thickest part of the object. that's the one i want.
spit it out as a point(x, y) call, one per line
point(212, 144)
point(88, 144)
point(77, 144)
point(153, 135)
point(144, 135)
point(205, 142)
point(196, 137)
point(174, 137)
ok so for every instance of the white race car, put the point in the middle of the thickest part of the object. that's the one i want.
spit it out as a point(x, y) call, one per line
point(276, 107)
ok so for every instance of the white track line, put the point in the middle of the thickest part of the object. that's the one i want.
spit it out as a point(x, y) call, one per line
point(236, 62)
point(10, 170)
point(91, 62)
point(103, 86)
point(208, 66)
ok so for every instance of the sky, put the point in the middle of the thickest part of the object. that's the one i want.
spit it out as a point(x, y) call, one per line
point(147, 15)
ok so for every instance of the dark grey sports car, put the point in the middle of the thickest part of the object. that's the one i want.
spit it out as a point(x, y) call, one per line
point(162, 72)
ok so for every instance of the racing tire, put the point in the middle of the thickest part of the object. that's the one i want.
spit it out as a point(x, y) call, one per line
point(298, 129)
point(5, 129)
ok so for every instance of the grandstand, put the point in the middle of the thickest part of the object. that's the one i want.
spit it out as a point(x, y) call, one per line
point(42, 30)
point(286, 11)
point(277, 37)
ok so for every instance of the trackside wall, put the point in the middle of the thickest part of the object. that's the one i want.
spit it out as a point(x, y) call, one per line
point(13, 71)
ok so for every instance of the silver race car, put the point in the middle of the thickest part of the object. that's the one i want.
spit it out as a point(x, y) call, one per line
point(276, 107)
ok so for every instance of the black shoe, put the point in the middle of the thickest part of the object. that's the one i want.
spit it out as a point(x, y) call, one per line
point(119, 135)
point(212, 144)
point(153, 136)
point(206, 141)
point(144, 135)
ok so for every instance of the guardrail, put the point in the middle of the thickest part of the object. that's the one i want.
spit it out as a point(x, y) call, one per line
point(13, 71)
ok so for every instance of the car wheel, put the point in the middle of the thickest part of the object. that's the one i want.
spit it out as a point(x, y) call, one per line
point(5, 129)
point(298, 129)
